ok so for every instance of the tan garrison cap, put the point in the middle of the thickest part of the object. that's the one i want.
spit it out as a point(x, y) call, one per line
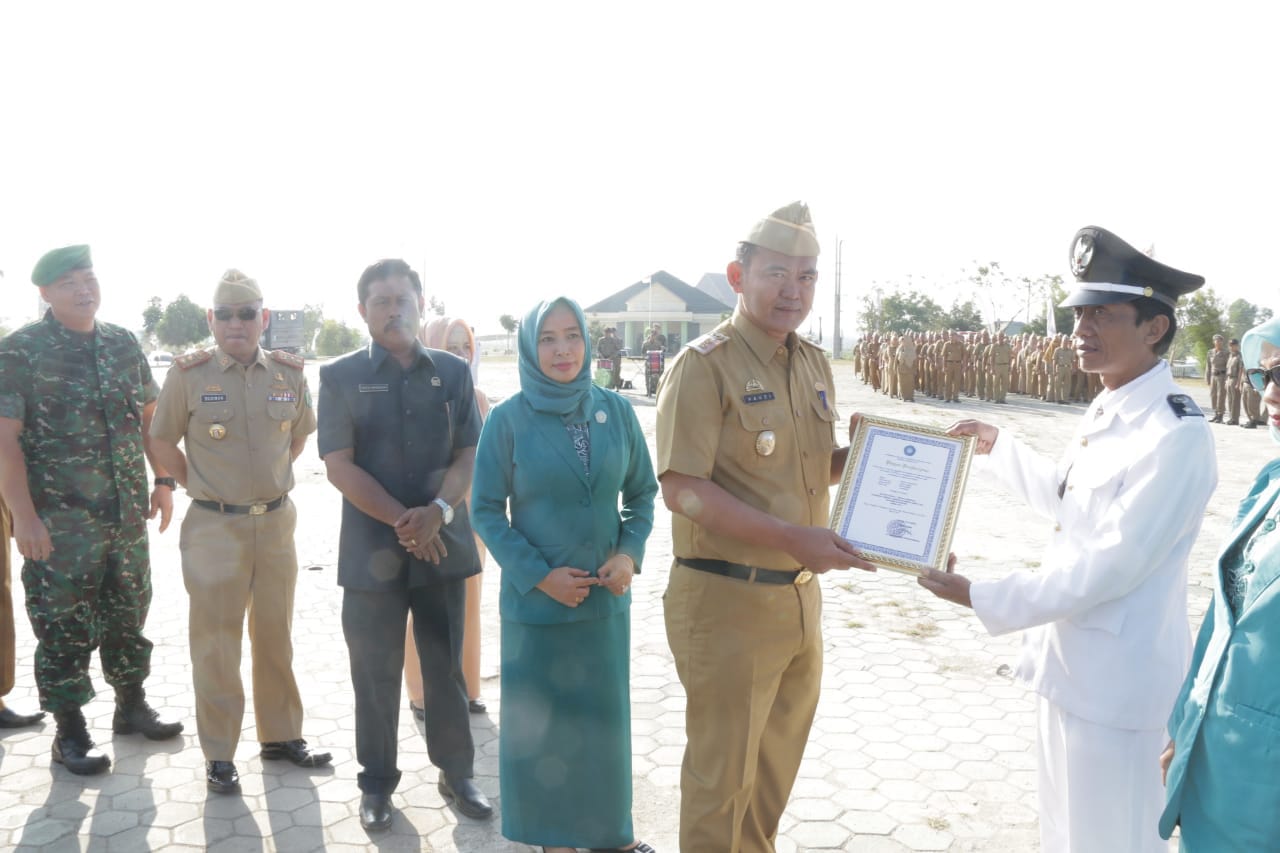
point(236, 287)
point(788, 230)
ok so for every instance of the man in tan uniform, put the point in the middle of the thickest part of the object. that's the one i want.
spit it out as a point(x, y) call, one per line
point(952, 361)
point(243, 415)
point(746, 457)
point(906, 368)
point(1063, 357)
point(1235, 375)
point(1215, 374)
point(9, 719)
point(1000, 355)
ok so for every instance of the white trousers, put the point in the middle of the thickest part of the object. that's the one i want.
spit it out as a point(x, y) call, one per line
point(1100, 789)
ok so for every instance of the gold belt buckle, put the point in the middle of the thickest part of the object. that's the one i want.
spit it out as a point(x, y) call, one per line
point(258, 509)
point(803, 577)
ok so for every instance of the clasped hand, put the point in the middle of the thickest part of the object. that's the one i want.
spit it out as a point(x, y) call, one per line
point(418, 531)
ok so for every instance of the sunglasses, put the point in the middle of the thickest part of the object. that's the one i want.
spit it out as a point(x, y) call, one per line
point(246, 314)
point(1258, 378)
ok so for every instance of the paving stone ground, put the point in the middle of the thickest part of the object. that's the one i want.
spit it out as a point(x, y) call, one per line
point(922, 739)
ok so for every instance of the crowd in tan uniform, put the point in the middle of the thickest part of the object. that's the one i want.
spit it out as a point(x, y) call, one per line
point(1229, 389)
point(947, 365)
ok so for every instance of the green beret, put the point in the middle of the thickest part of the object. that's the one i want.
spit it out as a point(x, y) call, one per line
point(234, 288)
point(788, 231)
point(58, 262)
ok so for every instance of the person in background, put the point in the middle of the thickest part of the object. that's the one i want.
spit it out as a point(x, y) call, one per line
point(1215, 374)
point(563, 496)
point(454, 336)
point(610, 347)
point(9, 718)
point(1221, 784)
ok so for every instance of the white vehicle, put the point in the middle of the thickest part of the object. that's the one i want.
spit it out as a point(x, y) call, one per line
point(160, 359)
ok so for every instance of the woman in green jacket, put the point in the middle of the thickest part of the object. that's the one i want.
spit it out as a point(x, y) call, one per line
point(552, 463)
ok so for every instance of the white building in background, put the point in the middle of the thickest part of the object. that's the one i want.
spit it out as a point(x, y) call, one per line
point(681, 311)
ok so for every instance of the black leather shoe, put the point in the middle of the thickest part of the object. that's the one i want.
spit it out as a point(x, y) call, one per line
point(134, 716)
point(10, 719)
point(222, 777)
point(419, 712)
point(375, 812)
point(466, 797)
point(640, 847)
point(477, 706)
point(74, 749)
point(296, 751)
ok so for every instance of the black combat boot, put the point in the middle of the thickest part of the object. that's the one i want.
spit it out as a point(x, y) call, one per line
point(74, 749)
point(133, 714)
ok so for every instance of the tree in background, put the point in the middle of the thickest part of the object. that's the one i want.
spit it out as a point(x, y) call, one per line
point(510, 325)
point(335, 338)
point(312, 320)
point(1243, 315)
point(963, 317)
point(1048, 290)
point(182, 324)
point(435, 306)
point(1200, 317)
point(151, 316)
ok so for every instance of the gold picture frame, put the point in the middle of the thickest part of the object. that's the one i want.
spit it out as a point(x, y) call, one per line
point(900, 493)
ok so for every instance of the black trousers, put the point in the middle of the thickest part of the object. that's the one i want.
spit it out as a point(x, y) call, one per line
point(373, 624)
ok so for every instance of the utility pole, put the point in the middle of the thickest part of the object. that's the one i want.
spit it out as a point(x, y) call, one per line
point(835, 324)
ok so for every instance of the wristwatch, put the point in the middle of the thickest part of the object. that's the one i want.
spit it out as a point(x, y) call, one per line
point(445, 509)
point(167, 481)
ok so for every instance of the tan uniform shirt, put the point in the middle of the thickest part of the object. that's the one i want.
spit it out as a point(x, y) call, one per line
point(237, 423)
point(756, 418)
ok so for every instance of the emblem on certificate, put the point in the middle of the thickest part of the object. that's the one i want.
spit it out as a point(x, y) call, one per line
point(900, 494)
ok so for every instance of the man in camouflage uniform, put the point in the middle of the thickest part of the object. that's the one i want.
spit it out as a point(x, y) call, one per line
point(76, 398)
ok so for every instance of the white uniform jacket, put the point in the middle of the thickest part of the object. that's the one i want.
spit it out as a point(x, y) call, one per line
point(1107, 637)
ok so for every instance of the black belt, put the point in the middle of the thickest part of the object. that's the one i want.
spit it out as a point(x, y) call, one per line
point(747, 573)
point(1219, 373)
point(242, 509)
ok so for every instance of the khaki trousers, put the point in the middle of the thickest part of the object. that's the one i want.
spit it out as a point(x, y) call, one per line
point(1218, 394)
point(230, 563)
point(907, 383)
point(999, 382)
point(750, 658)
point(8, 641)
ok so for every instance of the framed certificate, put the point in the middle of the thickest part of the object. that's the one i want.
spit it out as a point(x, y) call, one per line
point(900, 493)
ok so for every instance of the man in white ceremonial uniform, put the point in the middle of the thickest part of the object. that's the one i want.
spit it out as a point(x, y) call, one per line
point(1106, 640)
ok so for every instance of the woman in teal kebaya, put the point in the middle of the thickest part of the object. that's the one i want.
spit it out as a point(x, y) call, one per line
point(563, 496)
point(1223, 759)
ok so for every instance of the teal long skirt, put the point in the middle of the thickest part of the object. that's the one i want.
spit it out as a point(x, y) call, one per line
point(564, 742)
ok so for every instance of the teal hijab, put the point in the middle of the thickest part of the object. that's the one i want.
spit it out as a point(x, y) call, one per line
point(1251, 350)
point(570, 400)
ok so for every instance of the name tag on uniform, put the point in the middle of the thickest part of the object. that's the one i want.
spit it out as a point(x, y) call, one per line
point(213, 398)
point(762, 397)
point(283, 397)
point(369, 389)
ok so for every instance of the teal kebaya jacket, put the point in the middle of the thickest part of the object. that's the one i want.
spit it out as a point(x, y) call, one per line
point(560, 516)
point(1224, 782)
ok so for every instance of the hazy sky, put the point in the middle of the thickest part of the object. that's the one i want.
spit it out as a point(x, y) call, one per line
point(515, 150)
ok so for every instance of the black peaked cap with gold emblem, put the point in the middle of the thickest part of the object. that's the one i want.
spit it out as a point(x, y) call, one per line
point(1109, 270)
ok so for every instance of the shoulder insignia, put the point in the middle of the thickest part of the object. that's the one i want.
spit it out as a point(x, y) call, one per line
point(189, 360)
point(708, 342)
point(1184, 407)
point(287, 358)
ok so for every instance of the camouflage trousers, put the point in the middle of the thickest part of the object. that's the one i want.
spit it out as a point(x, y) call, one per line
point(92, 593)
